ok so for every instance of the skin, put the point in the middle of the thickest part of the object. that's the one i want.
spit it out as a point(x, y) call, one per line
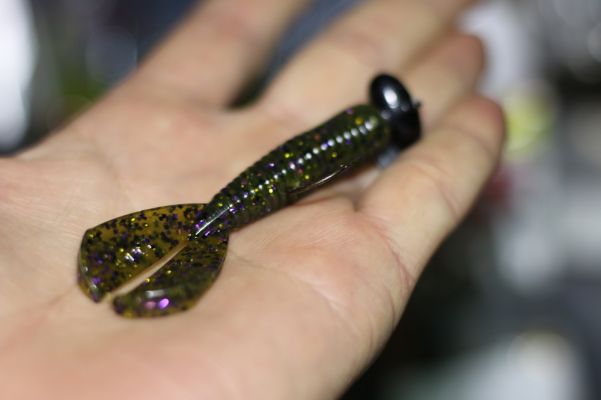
point(307, 296)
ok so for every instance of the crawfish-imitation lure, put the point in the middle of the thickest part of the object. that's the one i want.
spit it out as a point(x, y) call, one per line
point(194, 237)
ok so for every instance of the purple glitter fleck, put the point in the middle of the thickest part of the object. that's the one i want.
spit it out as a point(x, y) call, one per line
point(163, 303)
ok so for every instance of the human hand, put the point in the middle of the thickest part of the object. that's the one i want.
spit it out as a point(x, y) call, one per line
point(308, 295)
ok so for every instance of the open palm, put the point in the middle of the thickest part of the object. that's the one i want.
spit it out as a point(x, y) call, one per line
point(308, 295)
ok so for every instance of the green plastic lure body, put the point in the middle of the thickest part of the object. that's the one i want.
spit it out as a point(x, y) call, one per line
point(194, 237)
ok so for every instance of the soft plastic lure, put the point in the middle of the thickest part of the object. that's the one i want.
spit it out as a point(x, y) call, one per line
point(194, 237)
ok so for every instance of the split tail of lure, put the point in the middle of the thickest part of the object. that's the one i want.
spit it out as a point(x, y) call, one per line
point(118, 250)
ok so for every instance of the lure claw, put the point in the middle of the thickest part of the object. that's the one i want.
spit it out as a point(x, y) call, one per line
point(118, 250)
point(179, 283)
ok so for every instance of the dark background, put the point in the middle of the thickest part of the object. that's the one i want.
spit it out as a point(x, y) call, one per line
point(509, 307)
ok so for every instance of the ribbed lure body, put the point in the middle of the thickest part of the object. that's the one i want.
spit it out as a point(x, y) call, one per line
point(193, 237)
point(292, 169)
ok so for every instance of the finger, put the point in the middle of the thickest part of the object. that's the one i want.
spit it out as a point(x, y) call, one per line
point(377, 36)
point(424, 194)
point(438, 80)
point(445, 75)
point(218, 48)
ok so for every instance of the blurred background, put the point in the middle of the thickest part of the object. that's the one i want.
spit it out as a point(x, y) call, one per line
point(510, 307)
